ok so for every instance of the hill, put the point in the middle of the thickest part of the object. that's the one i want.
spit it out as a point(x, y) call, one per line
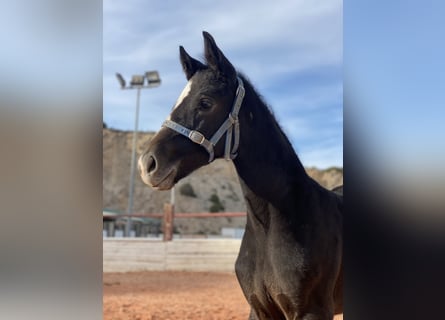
point(214, 187)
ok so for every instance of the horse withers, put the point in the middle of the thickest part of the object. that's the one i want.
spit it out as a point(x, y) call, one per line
point(290, 261)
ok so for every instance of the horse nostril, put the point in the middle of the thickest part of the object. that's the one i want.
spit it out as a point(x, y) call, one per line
point(151, 164)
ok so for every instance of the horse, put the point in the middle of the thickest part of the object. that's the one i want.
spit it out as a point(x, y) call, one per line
point(290, 260)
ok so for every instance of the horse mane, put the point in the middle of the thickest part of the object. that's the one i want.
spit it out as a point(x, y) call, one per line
point(266, 119)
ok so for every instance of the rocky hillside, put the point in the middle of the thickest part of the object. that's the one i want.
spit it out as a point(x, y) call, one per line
point(211, 188)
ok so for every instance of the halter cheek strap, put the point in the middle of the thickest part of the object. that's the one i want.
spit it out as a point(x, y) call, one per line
point(230, 125)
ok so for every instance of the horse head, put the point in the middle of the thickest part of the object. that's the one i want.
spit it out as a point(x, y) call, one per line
point(206, 110)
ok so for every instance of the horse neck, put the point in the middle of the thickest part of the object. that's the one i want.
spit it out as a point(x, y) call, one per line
point(266, 163)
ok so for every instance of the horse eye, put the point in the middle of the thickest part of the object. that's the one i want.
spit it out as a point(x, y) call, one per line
point(205, 104)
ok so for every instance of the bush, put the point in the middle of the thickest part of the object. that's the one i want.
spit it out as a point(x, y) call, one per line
point(336, 169)
point(216, 205)
point(187, 190)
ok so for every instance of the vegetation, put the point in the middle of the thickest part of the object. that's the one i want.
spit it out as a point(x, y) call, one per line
point(187, 190)
point(233, 196)
point(337, 169)
point(216, 205)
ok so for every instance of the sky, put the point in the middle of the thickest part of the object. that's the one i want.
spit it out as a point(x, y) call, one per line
point(292, 54)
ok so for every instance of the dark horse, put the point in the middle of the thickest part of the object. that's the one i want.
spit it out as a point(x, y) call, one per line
point(290, 262)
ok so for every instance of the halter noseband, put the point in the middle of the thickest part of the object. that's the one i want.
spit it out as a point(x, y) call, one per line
point(231, 125)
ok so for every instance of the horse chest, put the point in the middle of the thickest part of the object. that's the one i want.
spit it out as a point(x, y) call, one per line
point(269, 276)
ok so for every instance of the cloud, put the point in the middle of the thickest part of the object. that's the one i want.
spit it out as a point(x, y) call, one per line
point(278, 47)
point(312, 28)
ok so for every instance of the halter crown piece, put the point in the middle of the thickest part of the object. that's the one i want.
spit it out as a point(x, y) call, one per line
point(231, 125)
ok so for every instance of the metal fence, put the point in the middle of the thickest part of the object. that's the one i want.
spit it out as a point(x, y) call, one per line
point(155, 225)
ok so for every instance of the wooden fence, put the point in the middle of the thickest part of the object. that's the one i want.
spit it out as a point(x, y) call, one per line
point(137, 254)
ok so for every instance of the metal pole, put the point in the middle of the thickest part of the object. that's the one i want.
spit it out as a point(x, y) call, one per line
point(172, 196)
point(133, 165)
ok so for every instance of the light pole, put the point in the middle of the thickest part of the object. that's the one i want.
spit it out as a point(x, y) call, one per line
point(137, 82)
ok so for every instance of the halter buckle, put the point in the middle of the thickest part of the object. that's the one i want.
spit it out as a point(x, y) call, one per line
point(196, 137)
point(233, 119)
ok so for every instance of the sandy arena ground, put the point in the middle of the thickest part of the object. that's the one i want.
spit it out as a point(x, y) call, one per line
point(173, 295)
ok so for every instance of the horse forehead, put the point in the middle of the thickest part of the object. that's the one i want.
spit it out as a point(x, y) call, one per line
point(185, 92)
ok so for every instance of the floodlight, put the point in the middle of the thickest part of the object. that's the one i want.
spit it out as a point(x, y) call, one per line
point(121, 80)
point(152, 77)
point(137, 80)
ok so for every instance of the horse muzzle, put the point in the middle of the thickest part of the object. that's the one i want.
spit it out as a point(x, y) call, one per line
point(153, 175)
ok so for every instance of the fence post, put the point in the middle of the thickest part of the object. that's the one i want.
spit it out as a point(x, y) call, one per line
point(169, 212)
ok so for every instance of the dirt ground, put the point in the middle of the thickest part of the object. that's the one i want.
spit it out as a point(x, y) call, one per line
point(173, 295)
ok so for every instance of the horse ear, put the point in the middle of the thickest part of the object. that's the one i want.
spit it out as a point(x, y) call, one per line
point(189, 65)
point(215, 58)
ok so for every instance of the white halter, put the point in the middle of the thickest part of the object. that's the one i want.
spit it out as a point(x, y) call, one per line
point(231, 125)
